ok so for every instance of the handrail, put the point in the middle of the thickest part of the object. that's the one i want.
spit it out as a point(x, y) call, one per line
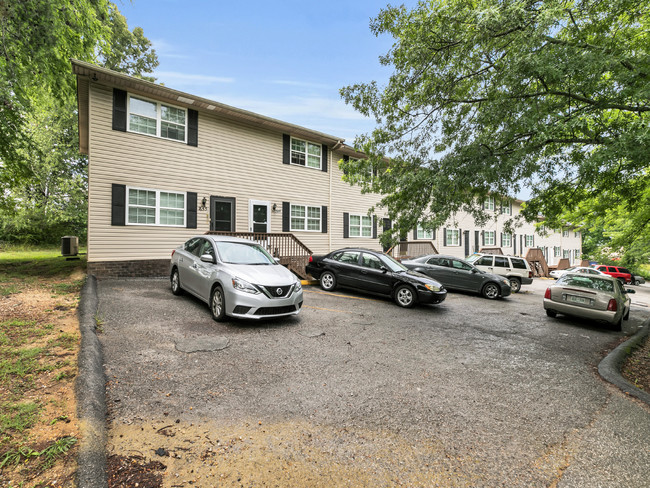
point(260, 236)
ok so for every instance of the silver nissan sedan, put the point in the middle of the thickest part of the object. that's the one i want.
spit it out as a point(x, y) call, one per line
point(235, 277)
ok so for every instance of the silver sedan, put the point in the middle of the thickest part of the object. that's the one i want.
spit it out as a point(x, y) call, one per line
point(594, 297)
point(558, 273)
point(235, 277)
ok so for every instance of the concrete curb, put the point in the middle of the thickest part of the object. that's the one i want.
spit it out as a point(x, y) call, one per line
point(610, 367)
point(91, 395)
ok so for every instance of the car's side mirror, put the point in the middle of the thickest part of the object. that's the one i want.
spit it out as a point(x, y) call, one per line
point(207, 258)
point(384, 269)
point(277, 260)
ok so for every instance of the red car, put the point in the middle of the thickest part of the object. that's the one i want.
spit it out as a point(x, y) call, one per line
point(622, 274)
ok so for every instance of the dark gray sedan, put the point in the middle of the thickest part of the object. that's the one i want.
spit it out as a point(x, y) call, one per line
point(457, 274)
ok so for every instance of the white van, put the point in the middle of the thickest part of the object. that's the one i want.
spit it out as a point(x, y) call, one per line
point(516, 269)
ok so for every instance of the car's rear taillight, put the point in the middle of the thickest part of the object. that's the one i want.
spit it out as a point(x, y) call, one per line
point(612, 306)
point(547, 295)
point(173, 251)
point(311, 258)
point(530, 274)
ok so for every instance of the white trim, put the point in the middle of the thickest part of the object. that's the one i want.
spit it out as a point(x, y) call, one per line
point(268, 214)
point(320, 156)
point(158, 118)
point(157, 207)
point(306, 218)
point(361, 226)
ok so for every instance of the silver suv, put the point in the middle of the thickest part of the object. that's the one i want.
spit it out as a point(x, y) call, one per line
point(516, 269)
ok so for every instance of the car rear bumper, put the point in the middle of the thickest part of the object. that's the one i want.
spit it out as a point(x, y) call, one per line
point(587, 313)
point(526, 281)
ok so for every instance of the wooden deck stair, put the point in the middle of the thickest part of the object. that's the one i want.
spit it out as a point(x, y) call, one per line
point(411, 249)
point(291, 252)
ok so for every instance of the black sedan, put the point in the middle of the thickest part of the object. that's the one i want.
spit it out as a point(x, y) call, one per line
point(374, 272)
point(456, 274)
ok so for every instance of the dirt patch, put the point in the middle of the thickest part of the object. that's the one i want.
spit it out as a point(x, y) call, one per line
point(44, 313)
point(297, 454)
point(636, 369)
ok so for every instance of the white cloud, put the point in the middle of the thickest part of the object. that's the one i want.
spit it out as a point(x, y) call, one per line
point(177, 80)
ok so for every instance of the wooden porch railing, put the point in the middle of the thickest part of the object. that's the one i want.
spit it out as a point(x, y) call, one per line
point(411, 249)
point(288, 248)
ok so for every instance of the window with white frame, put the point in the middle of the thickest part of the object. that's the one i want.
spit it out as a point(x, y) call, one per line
point(489, 238)
point(556, 251)
point(565, 233)
point(576, 253)
point(424, 234)
point(360, 226)
point(506, 239)
point(566, 253)
point(529, 240)
point(157, 119)
point(488, 204)
point(155, 207)
point(304, 217)
point(453, 237)
point(305, 153)
point(506, 208)
point(576, 234)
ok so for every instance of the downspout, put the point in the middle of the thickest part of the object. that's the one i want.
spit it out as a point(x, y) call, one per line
point(338, 144)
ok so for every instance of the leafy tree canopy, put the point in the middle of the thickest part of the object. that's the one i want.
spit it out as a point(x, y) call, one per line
point(490, 96)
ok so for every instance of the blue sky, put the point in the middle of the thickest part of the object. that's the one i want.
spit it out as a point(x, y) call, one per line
point(284, 59)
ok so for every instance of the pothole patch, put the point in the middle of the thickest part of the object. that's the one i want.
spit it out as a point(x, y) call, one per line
point(203, 344)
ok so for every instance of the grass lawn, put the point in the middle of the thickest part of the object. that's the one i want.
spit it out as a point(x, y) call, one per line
point(39, 341)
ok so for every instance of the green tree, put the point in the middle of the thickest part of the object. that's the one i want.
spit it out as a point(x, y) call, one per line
point(490, 96)
point(43, 178)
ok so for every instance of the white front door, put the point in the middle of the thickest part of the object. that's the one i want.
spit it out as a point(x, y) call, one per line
point(259, 216)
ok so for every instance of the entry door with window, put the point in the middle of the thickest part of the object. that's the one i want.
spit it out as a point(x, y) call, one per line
point(223, 214)
point(259, 216)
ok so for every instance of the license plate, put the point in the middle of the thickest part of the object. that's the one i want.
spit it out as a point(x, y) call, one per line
point(580, 300)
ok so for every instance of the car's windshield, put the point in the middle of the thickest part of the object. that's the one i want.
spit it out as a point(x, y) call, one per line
point(391, 264)
point(473, 258)
point(587, 281)
point(241, 253)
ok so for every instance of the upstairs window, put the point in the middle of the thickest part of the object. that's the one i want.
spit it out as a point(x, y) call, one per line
point(305, 153)
point(488, 204)
point(157, 119)
point(530, 241)
point(506, 208)
point(565, 233)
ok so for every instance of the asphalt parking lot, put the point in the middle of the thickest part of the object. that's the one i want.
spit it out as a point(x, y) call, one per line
point(356, 391)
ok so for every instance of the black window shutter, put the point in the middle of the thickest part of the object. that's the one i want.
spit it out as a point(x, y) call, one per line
point(323, 165)
point(346, 159)
point(286, 217)
point(533, 243)
point(483, 238)
point(415, 234)
point(119, 110)
point(433, 234)
point(118, 204)
point(514, 244)
point(460, 237)
point(191, 210)
point(444, 237)
point(501, 237)
point(192, 127)
point(374, 227)
point(346, 225)
point(476, 246)
point(323, 219)
point(286, 149)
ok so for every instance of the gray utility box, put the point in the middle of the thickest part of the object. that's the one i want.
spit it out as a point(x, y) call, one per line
point(69, 245)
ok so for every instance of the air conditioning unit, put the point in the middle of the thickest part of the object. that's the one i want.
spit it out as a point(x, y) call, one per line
point(69, 245)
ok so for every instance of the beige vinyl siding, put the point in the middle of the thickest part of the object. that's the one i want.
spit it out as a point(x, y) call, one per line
point(347, 198)
point(231, 160)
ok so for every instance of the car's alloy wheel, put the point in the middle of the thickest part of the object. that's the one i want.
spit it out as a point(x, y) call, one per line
point(328, 281)
point(637, 282)
point(515, 285)
point(491, 291)
point(176, 283)
point(404, 296)
point(218, 304)
point(551, 313)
